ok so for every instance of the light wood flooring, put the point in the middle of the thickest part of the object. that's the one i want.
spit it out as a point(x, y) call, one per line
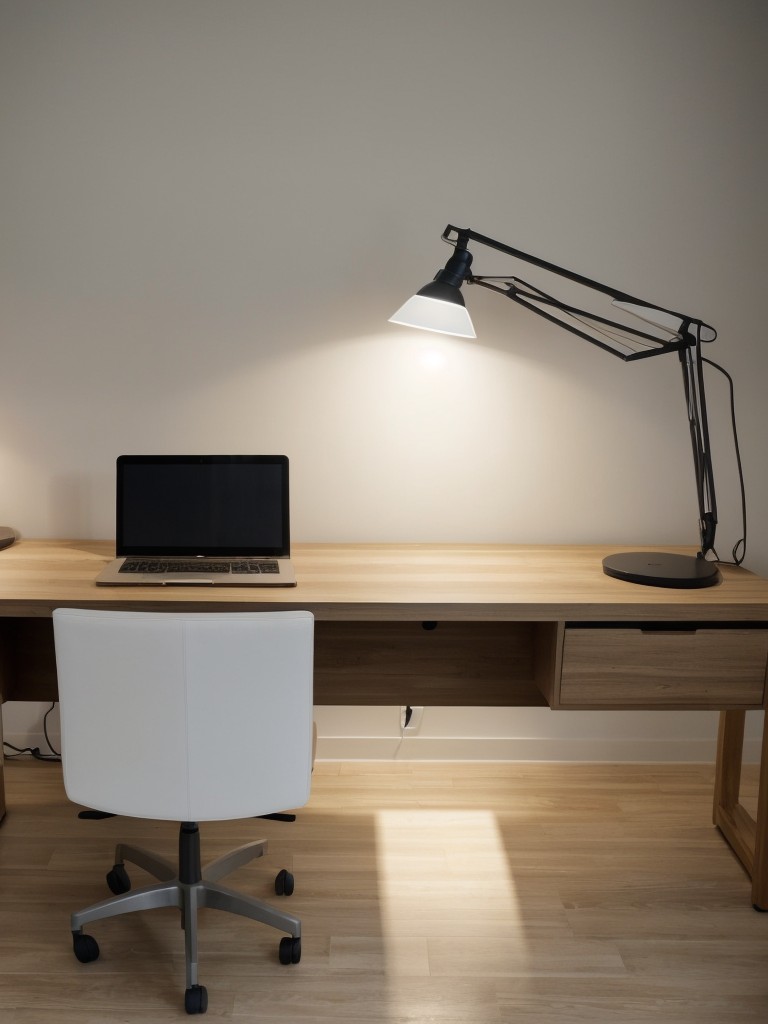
point(428, 893)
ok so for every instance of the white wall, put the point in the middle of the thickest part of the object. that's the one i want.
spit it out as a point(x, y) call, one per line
point(211, 207)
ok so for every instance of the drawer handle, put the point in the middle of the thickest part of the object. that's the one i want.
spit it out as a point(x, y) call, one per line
point(673, 632)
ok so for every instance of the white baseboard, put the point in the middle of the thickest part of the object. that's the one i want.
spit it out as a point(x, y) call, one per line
point(478, 734)
point(415, 748)
point(525, 734)
point(642, 750)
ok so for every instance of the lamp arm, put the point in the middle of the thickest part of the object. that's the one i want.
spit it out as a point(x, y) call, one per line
point(686, 342)
point(460, 236)
point(693, 384)
point(532, 297)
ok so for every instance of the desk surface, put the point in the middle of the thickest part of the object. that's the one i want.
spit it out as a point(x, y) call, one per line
point(393, 581)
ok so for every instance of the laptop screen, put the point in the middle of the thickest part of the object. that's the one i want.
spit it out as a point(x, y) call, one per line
point(215, 505)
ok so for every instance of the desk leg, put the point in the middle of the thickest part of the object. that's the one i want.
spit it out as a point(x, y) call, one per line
point(2, 776)
point(747, 838)
point(760, 866)
point(730, 746)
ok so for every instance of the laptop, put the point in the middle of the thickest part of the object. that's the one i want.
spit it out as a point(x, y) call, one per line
point(201, 520)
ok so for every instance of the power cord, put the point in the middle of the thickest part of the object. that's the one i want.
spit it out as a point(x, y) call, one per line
point(740, 547)
point(36, 753)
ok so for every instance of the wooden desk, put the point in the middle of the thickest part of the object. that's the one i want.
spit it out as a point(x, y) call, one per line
point(491, 625)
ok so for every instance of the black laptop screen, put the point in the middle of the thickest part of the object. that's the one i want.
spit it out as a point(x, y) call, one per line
point(202, 505)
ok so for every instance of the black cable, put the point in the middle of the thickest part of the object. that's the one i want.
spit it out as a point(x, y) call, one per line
point(35, 751)
point(51, 747)
point(740, 547)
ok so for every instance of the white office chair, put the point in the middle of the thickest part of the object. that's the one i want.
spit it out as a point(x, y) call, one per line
point(187, 717)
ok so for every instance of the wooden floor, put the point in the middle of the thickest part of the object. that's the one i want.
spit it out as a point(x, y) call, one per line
point(428, 893)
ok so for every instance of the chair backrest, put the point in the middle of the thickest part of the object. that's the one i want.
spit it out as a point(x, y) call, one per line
point(185, 716)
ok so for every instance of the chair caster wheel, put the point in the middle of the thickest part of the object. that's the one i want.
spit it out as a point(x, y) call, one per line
point(118, 880)
point(86, 947)
point(290, 951)
point(284, 883)
point(196, 999)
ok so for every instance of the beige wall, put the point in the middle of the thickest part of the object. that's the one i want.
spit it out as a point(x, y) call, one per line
point(211, 208)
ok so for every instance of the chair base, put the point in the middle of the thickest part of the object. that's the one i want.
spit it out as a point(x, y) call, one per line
point(189, 888)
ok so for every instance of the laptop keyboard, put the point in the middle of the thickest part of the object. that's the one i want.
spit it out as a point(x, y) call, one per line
point(241, 566)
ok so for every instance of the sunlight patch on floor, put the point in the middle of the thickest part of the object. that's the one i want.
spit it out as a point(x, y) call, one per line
point(441, 874)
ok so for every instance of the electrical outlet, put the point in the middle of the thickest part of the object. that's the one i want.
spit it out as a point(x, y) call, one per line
point(410, 717)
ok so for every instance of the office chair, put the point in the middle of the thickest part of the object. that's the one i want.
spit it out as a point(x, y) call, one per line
point(186, 717)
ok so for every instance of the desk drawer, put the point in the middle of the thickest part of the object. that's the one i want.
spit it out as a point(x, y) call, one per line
point(635, 667)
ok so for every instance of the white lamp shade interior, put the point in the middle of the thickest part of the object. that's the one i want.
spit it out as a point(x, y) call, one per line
point(435, 315)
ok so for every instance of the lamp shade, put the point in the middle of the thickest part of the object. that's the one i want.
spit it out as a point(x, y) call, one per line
point(435, 314)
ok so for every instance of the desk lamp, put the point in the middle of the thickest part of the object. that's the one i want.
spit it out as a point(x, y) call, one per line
point(439, 306)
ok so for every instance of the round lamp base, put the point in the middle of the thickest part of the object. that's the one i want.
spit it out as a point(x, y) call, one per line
point(660, 569)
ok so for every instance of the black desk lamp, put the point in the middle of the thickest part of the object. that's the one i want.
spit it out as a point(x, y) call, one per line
point(439, 306)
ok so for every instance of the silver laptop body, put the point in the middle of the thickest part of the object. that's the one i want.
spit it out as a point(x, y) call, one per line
point(201, 520)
